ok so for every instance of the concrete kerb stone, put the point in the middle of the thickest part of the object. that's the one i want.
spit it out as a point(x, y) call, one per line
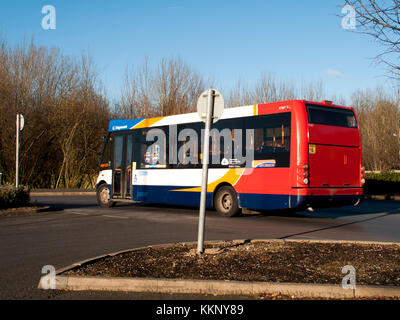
point(220, 287)
point(61, 193)
point(376, 291)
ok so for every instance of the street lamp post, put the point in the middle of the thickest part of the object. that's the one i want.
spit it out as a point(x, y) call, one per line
point(20, 126)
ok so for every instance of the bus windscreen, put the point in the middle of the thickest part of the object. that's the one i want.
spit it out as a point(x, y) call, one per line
point(331, 116)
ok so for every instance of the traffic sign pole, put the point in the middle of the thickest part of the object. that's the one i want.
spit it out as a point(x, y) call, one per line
point(20, 126)
point(204, 178)
point(17, 153)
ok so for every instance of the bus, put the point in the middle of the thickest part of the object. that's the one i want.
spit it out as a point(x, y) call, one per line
point(303, 155)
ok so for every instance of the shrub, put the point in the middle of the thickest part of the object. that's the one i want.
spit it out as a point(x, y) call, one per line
point(10, 197)
point(382, 183)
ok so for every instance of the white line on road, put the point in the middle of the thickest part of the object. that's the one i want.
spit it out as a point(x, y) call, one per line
point(79, 213)
point(117, 217)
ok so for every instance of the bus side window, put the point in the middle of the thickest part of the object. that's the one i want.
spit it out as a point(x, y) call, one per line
point(118, 147)
point(105, 162)
point(228, 148)
point(187, 152)
point(271, 138)
point(151, 154)
point(129, 142)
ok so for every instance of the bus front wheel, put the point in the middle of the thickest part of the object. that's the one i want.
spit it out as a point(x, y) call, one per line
point(103, 196)
point(226, 202)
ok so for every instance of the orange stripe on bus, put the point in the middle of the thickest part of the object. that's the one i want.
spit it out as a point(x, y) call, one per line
point(147, 123)
point(255, 110)
point(231, 177)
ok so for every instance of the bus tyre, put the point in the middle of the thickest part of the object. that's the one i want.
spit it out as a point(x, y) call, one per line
point(226, 202)
point(103, 196)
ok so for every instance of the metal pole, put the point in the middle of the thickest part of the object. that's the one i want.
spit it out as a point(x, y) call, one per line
point(204, 179)
point(17, 154)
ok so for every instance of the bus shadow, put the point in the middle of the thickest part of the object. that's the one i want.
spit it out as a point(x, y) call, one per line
point(345, 224)
point(62, 205)
point(365, 208)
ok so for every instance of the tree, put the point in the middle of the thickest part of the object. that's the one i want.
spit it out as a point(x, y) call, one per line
point(270, 89)
point(65, 111)
point(381, 20)
point(379, 117)
point(171, 87)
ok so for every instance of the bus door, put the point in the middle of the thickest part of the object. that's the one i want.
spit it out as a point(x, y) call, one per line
point(122, 167)
point(128, 167)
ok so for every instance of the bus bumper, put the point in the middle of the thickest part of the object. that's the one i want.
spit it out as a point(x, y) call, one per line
point(302, 202)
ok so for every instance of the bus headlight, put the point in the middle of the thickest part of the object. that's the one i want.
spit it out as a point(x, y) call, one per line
point(305, 181)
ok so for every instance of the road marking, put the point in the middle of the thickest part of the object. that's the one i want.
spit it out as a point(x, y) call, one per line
point(116, 217)
point(79, 213)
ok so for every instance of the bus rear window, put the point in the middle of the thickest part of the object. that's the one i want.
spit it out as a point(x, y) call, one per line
point(331, 116)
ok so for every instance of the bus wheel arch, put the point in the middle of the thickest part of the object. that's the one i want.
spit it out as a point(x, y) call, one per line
point(226, 201)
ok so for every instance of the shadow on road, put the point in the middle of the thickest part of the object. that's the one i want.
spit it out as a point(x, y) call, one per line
point(58, 203)
point(338, 226)
point(365, 208)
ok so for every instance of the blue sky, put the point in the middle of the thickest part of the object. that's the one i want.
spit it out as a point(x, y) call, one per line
point(225, 40)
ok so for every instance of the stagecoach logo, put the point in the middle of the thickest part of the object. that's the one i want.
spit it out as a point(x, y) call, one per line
point(119, 127)
point(224, 162)
point(264, 163)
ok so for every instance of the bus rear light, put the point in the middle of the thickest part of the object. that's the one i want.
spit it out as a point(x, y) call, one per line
point(362, 175)
point(303, 174)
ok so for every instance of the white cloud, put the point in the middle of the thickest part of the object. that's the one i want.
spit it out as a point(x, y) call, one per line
point(335, 73)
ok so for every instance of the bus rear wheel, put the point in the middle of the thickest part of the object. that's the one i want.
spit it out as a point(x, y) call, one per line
point(226, 202)
point(103, 196)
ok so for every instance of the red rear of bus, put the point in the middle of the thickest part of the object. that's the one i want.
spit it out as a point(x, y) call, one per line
point(325, 161)
point(333, 173)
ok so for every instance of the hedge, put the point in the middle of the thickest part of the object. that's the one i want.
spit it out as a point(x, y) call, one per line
point(10, 197)
point(384, 183)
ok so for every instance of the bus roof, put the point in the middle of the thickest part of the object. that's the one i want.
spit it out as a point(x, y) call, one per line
point(236, 112)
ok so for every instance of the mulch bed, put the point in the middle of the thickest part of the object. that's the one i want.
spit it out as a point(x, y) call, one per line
point(274, 261)
point(22, 211)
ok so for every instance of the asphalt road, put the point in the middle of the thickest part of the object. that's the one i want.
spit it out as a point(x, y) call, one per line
point(78, 229)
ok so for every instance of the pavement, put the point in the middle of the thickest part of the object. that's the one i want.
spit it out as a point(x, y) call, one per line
point(78, 229)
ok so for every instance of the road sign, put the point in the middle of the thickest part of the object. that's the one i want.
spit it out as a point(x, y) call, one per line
point(218, 109)
point(21, 121)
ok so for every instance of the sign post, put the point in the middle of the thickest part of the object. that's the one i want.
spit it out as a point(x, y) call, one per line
point(20, 126)
point(210, 107)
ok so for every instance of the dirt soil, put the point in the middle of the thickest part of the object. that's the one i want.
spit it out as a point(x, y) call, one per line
point(275, 261)
point(22, 211)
